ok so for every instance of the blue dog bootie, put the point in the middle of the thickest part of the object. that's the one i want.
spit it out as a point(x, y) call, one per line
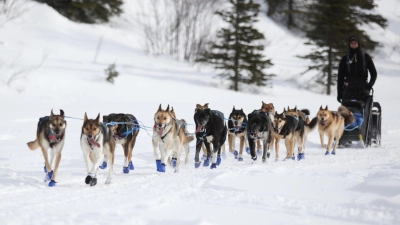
point(130, 165)
point(219, 160)
point(162, 168)
point(213, 166)
point(248, 150)
point(300, 156)
point(125, 169)
point(197, 164)
point(206, 162)
point(174, 162)
point(103, 166)
point(52, 183)
point(158, 164)
point(236, 153)
point(327, 153)
point(333, 152)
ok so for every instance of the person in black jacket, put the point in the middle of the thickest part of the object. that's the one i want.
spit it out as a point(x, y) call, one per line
point(353, 70)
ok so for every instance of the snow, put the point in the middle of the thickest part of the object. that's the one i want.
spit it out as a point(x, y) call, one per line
point(59, 70)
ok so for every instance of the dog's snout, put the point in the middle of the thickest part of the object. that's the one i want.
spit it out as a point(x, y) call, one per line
point(159, 125)
point(89, 136)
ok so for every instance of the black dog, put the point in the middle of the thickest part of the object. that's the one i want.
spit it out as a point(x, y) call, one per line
point(210, 128)
point(259, 128)
point(237, 127)
point(125, 131)
point(291, 128)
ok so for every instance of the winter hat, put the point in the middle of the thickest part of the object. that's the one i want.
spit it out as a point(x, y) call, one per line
point(351, 50)
point(353, 38)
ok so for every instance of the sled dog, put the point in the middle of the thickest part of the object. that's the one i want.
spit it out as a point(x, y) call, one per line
point(50, 134)
point(286, 125)
point(331, 124)
point(97, 144)
point(347, 115)
point(259, 128)
point(124, 130)
point(210, 129)
point(275, 138)
point(237, 127)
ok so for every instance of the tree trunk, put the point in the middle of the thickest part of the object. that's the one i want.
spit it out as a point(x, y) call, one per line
point(237, 51)
point(329, 83)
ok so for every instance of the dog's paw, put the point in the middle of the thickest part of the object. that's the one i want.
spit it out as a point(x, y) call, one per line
point(88, 179)
point(93, 181)
point(48, 176)
point(125, 169)
point(219, 160)
point(197, 164)
point(45, 169)
point(276, 160)
point(333, 152)
point(327, 153)
point(174, 162)
point(130, 165)
point(264, 161)
point(158, 164)
point(108, 181)
point(240, 159)
point(213, 166)
point(293, 157)
point(103, 166)
point(301, 156)
point(223, 155)
point(52, 183)
point(206, 162)
point(235, 153)
point(259, 152)
point(176, 170)
point(203, 157)
point(162, 168)
point(248, 150)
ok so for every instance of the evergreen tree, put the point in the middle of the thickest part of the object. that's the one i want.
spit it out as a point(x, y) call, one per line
point(238, 51)
point(87, 11)
point(289, 12)
point(111, 73)
point(332, 23)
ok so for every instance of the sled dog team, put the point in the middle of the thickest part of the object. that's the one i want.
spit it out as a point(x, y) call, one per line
point(258, 132)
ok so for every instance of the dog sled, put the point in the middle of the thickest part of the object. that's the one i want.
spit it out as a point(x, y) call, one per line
point(366, 130)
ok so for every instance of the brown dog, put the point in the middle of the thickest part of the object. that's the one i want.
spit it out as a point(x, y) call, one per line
point(50, 134)
point(275, 137)
point(331, 124)
point(347, 115)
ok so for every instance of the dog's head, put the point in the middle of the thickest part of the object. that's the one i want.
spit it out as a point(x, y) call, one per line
point(255, 127)
point(201, 117)
point(91, 128)
point(237, 117)
point(293, 112)
point(57, 123)
point(162, 118)
point(202, 107)
point(269, 108)
point(323, 115)
point(279, 122)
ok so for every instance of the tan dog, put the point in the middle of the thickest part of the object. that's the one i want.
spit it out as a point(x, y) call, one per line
point(347, 115)
point(50, 134)
point(184, 140)
point(331, 124)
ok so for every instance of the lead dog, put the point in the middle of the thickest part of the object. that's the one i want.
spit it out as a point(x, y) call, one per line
point(50, 134)
point(97, 144)
point(259, 128)
point(237, 127)
point(125, 131)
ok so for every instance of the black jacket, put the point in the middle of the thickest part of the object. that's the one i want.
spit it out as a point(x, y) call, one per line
point(353, 70)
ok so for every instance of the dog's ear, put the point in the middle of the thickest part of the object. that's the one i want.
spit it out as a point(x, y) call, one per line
point(233, 108)
point(159, 108)
point(51, 113)
point(326, 108)
point(276, 114)
point(167, 109)
point(198, 106)
point(272, 105)
point(206, 105)
point(98, 118)
point(61, 113)
point(242, 110)
point(320, 108)
point(284, 110)
point(85, 118)
point(295, 108)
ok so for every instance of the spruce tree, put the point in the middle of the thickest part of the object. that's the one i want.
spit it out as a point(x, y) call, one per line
point(288, 12)
point(238, 49)
point(332, 23)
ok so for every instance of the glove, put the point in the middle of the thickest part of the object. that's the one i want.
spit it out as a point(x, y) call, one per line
point(339, 98)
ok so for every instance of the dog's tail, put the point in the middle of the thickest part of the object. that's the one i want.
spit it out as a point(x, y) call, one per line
point(347, 115)
point(305, 111)
point(312, 125)
point(33, 145)
point(305, 115)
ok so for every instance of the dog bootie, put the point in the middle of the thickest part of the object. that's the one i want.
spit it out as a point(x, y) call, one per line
point(176, 170)
point(326, 153)
point(203, 157)
point(236, 153)
point(158, 164)
point(259, 152)
point(206, 162)
point(293, 157)
point(240, 159)
point(49, 175)
point(125, 169)
point(93, 181)
point(174, 161)
point(197, 164)
point(248, 150)
point(88, 179)
point(300, 156)
point(52, 183)
point(213, 166)
point(162, 168)
point(45, 170)
point(130, 165)
point(103, 166)
point(333, 152)
point(219, 160)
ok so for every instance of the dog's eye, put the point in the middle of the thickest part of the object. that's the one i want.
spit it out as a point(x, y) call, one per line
point(165, 118)
point(86, 128)
point(61, 124)
point(53, 124)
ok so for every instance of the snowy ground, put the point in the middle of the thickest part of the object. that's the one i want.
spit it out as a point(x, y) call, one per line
point(60, 71)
